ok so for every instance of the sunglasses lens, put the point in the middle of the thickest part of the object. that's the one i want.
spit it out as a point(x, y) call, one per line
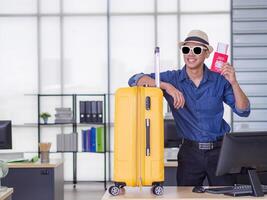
point(185, 50)
point(197, 50)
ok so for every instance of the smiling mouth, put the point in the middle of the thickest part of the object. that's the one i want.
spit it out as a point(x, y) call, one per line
point(191, 60)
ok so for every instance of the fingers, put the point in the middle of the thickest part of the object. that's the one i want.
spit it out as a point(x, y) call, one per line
point(227, 67)
point(178, 97)
point(226, 72)
point(179, 100)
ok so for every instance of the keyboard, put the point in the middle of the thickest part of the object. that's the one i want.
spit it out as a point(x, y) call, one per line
point(237, 190)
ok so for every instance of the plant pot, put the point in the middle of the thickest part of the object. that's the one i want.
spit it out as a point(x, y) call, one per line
point(45, 120)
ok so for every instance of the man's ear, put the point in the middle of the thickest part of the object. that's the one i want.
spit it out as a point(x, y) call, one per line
point(207, 54)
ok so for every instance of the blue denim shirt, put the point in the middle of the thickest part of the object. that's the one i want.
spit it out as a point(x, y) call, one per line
point(201, 119)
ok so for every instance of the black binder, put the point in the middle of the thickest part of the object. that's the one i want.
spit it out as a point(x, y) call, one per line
point(88, 112)
point(82, 112)
point(94, 111)
point(100, 111)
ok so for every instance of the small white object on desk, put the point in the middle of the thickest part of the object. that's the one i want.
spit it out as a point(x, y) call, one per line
point(6, 194)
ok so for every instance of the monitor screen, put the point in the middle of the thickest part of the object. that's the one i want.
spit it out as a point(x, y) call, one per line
point(5, 135)
point(244, 150)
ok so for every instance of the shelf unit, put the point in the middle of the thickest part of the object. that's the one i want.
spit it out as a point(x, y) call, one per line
point(74, 125)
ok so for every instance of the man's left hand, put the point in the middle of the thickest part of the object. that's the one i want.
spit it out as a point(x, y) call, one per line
point(229, 73)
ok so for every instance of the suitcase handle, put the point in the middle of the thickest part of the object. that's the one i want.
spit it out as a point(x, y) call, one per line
point(157, 67)
point(147, 137)
point(148, 103)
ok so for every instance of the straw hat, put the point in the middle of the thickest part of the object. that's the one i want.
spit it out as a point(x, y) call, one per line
point(199, 37)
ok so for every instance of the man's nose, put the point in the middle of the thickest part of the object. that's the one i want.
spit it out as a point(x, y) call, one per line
point(191, 52)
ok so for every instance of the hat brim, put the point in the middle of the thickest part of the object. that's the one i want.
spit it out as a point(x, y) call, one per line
point(210, 48)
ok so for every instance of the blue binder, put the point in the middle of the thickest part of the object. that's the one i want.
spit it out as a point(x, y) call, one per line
point(88, 140)
point(93, 139)
point(84, 140)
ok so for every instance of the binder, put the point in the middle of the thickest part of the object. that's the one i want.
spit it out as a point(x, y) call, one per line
point(65, 139)
point(88, 140)
point(59, 142)
point(94, 111)
point(99, 111)
point(82, 112)
point(74, 142)
point(88, 111)
point(100, 139)
point(93, 140)
point(84, 140)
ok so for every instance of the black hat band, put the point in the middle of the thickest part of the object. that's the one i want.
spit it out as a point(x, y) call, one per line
point(197, 39)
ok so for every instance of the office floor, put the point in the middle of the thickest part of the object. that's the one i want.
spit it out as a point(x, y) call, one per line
point(84, 191)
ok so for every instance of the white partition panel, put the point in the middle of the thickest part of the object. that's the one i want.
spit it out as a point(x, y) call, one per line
point(18, 61)
point(18, 6)
point(132, 48)
point(85, 55)
point(167, 41)
point(129, 6)
point(85, 6)
point(50, 68)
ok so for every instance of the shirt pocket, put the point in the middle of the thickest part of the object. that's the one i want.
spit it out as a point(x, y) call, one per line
point(213, 105)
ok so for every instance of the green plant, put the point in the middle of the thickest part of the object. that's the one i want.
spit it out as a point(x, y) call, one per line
point(45, 115)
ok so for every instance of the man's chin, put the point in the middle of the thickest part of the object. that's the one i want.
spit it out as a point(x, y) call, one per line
point(194, 65)
point(191, 66)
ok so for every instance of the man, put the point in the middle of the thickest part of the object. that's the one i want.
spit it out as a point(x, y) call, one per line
point(196, 95)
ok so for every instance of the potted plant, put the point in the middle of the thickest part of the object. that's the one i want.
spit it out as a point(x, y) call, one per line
point(45, 116)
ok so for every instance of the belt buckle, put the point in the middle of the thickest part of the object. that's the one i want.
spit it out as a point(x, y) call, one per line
point(205, 145)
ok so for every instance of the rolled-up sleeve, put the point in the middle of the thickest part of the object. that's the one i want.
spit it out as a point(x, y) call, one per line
point(168, 77)
point(229, 99)
point(241, 111)
point(134, 79)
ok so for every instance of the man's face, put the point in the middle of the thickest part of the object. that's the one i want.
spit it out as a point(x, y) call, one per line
point(194, 60)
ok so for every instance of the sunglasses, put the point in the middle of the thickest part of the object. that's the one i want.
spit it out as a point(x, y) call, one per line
point(197, 50)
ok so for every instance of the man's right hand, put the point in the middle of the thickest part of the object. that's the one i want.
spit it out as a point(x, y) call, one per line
point(178, 97)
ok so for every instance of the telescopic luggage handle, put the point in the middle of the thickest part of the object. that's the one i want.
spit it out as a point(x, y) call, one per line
point(157, 67)
point(148, 100)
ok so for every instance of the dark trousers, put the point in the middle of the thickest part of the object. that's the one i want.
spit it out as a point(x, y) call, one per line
point(194, 165)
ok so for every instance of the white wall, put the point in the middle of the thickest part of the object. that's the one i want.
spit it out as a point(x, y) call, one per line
point(65, 49)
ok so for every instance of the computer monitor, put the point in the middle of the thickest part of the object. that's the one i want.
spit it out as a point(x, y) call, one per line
point(246, 151)
point(5, 134)
point(172, 136)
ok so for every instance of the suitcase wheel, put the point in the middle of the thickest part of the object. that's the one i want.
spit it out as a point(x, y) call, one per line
point(114, 190)
point(157, 190)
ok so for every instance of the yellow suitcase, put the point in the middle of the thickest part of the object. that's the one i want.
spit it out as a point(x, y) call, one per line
point(138, 139)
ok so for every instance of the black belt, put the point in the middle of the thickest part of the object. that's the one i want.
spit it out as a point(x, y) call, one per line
point(204, 145)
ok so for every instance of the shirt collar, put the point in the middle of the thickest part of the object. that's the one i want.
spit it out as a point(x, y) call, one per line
point(206, 76)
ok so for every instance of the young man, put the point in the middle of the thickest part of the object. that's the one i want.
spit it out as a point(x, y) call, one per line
point(196, 95)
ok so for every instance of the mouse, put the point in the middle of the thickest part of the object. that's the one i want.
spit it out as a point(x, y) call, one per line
point(198, 189)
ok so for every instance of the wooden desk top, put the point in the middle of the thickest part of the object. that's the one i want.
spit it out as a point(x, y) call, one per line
point(4, 195)
point(170, 193)
point(52, 164)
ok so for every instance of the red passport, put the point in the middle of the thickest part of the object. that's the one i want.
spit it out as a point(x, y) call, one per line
point(218, 60)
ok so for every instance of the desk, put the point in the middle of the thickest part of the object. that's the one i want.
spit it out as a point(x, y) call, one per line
point(170, 193)
point(42, 181)
point(6, 195)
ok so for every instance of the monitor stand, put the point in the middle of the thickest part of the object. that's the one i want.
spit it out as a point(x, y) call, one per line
point(255, 183)
point(255, 189)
